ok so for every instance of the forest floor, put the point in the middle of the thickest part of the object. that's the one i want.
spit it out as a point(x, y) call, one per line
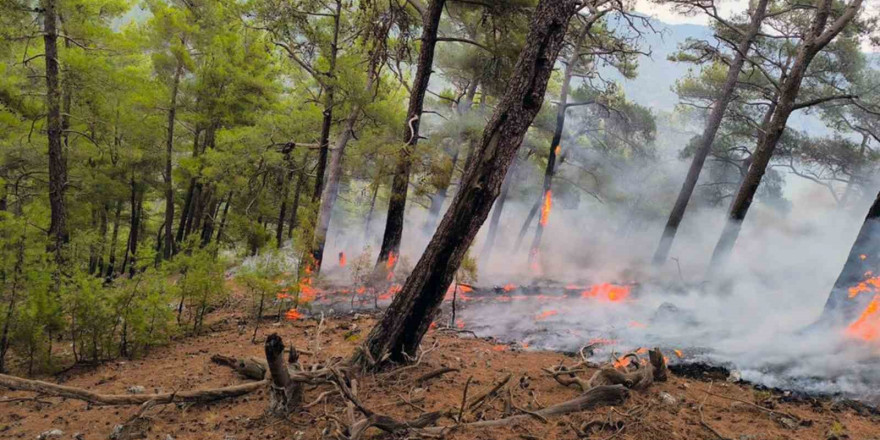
point(681, 408)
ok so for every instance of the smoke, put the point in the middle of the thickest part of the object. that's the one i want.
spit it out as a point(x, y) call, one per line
point(608, 213)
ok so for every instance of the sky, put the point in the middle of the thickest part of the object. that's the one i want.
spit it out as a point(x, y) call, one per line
point(727, 8)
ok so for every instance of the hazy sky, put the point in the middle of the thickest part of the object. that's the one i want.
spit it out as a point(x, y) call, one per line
point(727, 8)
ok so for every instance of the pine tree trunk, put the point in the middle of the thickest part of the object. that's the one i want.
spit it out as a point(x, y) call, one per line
point(286, 177)
point(400, 183)
point(294, 210)
point(57, 162)
point(486, 255)
point(816, 39)
point(169, 152)
point(708, 137)
point(111, 260)
point(223, 219)
point(405, 322)
point(329, 91)
point(190, 193)
point(370, 212)
point(863, 262)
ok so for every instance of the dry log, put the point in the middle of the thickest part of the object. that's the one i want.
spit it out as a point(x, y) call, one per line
point(640, 378)
point(435, 373)
point(38, 386)
point(286, 394)
point(250, 368)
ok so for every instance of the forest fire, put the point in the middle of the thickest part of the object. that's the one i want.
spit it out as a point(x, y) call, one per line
point(867, 326)
point(545, 209)
point(607, 291)
point(342, 260)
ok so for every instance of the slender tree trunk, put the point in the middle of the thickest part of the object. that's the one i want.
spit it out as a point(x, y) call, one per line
point(863, 262)
point(286, 177)
point(405, 322)
point(223, 219)
point(816, 39)
point(169, 152)
point(708, 137)
point(847, 192)
point(208, 224)
point(400, 183)
point(372, 209)
point(137, 203)
point(496, 214)
point(98, 270)
point(439, 198)
point(190, 193)
point(329, 91)
point(57, 161)
point(10, 305)
point(294, 210)
point(111, 259)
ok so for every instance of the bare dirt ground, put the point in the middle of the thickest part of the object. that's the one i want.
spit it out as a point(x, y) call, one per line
point(670, 410)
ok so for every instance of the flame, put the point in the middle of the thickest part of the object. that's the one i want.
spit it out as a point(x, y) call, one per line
point(361, 290)
point(393, 290)
point(636, 324)
point(525, 345)
point(678, 353)
point(460, 324)
point(432, 326)
point(867, 327)
point(307, 293)
point(611, 292)
point(621, 363)
point(641, 350)
point(508, 287)
point(292, 315)
point(545, 210)
point(603, 341)
point(870, 284)
point(342, 259)
point(863, 257)
point(558, 149)
point(282, 295)
point(464, 288)
point(392, 259)
point(499, 348)
point(545, 315)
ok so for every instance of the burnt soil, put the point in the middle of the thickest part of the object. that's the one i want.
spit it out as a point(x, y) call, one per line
point(669, 410)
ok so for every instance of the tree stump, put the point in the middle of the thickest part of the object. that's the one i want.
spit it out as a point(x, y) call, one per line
point(285, 395)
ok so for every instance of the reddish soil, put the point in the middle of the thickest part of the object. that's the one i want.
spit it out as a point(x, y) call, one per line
point(186, 365)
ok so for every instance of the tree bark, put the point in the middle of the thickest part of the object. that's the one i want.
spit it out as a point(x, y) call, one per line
point(815, 40)
point(400, 183)
point(286, 395)
point(329, 91)
point(286, 177)
point(405, 322)
point(223, 218)
point(863, 262)
point(169, 152)
point(294, 210)
point(708, 137)
point(190, 193)
point(111, 259)
point(57, 161)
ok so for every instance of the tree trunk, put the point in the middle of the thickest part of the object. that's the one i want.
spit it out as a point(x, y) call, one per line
point(525, 226)
point(137, 204)
point(708, 137)
point(10, 306)
point(190, 193)
point(111, 259)
point(329, 91)
point(294, 210)
point(405, 322)
point(862, 263)
point(286, 177)
point(223, 219)
point(496, 215)
point(400, 183)
point(57, 162)
point(816, 39)
point(208, 224)
point(169, 151)
point(369, 219)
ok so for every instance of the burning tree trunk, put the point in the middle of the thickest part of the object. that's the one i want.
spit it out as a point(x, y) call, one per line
point(708, 137)
point(400, 183)
point(561, 109)
point(817, 37)
point(407, 319)
point(851, 292)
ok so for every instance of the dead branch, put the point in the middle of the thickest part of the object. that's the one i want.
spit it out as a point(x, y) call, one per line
point(595, 397)
point(477, 401)
point(250, 368)
point(435, 373)
point(286, 394)
point(38, 386)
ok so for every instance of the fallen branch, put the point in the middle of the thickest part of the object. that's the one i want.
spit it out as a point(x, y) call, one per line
point(250, 368)
point(491, 392)
point(38, 386)
point(435, 373)
point(595, 397)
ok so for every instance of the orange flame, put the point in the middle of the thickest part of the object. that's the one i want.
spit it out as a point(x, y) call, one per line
point(361, 290)
point(508, 287)
point(282, 295)
point(499, 348)
point(622, 362)
point(867, 327)
point(393, 290)
point(545, 315)
point(342, 259)
point(558, 149)
point(678, 353)
point(870, 284)
point(465, 288)
point(863, 257)
point(545, 210)
point(607, 291)
point(392, 259)
point(460, 324)
point(292, 315)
